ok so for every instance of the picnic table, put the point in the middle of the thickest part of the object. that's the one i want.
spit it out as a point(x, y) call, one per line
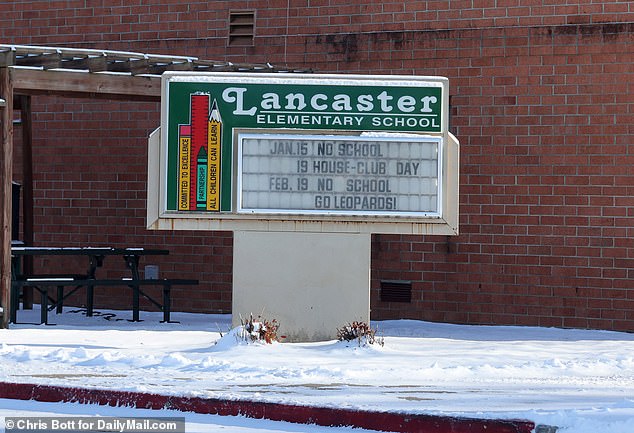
point(88, 279)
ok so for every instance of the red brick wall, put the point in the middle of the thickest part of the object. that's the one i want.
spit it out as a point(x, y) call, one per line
point(542, 103)
point(90, 186)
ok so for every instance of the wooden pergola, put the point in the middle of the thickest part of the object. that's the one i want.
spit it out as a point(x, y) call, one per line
point(26, 71)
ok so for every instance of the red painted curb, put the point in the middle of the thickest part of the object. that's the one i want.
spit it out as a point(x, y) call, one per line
point(385, 421)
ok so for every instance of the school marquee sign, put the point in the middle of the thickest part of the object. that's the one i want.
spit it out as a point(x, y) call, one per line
point(303, 152)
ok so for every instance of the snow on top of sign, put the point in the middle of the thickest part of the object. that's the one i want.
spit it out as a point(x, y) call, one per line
point(389, 134)
point(320, 79)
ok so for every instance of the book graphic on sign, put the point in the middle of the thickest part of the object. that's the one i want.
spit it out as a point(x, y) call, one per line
point(199, 156)
point(185, 147)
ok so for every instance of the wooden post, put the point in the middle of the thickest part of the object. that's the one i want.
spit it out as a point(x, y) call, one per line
point(3, 301)
point(27, 191)
point(6, 176)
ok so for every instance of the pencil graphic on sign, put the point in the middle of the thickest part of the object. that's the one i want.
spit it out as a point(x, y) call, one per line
point(185, 144)
point(199, 132)
point(213, 158)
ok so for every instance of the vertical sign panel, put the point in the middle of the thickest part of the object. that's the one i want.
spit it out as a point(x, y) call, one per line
point(184, 180)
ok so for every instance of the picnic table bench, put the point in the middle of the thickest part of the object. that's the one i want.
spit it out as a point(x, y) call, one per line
point(88, 280)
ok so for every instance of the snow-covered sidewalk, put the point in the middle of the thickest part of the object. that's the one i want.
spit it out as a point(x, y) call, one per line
point(580, 381)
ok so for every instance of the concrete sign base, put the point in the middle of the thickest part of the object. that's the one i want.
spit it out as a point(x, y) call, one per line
point(311, 283)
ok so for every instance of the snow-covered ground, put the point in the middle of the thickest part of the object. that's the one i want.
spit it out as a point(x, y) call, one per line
point(581, 381)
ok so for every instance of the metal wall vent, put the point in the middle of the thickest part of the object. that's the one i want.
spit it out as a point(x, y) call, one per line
point(241, 28)
point(396, 291)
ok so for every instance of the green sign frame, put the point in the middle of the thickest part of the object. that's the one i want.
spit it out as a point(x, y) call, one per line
point(203, 115)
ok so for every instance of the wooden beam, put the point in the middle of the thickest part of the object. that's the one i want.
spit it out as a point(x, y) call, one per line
point(89, 63)
point(33, 82)
point(47, 61)
point(7, 57)
point(6, 176)
point(159, 68)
